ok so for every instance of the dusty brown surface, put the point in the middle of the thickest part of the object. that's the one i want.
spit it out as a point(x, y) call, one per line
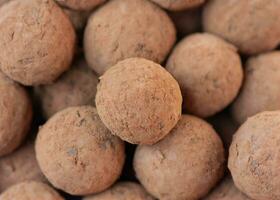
point(226, 190)
point(177, 5)
point(19, 166)
point(76, 87)
point(80, 4)
point(124, 29)
point(16, 114)
point(209, 72)
point(260, 91)
point(185, 165)
point(77, 153)
point(253, 26)
point(30, 190)
point(122, 191)
point(139, 101)
point(254, 156)
point(38, 39)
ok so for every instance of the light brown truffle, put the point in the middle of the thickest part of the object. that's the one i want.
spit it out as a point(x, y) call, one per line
point(124, 29)
point(77, 153)
point(30, 190)
point(209, 73)
point(254, 156)
point(76, 87)
point(177, 5)
point(261, 91)
point(19, 166)
point(122, 191)
point(139, 101)
point(252, 25)
point(226, 191)
point(183, 166)
point(80, 4)
point(38, 39)
point(16, 115)
point(187, 21)
point(78, 18)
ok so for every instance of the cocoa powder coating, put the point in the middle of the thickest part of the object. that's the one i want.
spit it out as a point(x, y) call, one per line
point(139, 101)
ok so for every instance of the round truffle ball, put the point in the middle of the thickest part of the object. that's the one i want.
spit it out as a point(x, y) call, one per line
point(38, 41)
point(77, 153)
point(80, 4)
point(252, 25)
point(76, 87)
point(124, 29)
point(177, 5)
point(184, 165)
point(226, 191)
point(19, 166)
point(209, 72)
point(30, 190)
point(78, 18)
point(254, 156)
point(122, 191)
point(16, 115)
point(139, 101)
point(260, 91)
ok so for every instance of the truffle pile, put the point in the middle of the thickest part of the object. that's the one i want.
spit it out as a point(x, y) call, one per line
point(139, 100)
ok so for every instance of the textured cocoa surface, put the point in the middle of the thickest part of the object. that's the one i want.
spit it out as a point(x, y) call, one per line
point(139, 101)
point(124, 29)
point(86, 157)
point(16, 114)
point(189, 162)
point(260, 91)
point(254, 158)
point(253, 26)
point(38, 39)
point(209, 72)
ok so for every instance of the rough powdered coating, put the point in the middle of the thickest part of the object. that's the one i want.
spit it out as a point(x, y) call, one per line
point(209, 73)
point(260, 91)
point(30, 190)
point(254, 156)
point(122, 191)
point(252, 25)
point(226, 190)
point(76, 87)
point(78, 18)
point(124, 29)
point(16, 114)
point(19, 166)
point(85, 157)
point(184, 165)
point(177, 5)
point(139, 101)
point(38, 39)
point(80, 4)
